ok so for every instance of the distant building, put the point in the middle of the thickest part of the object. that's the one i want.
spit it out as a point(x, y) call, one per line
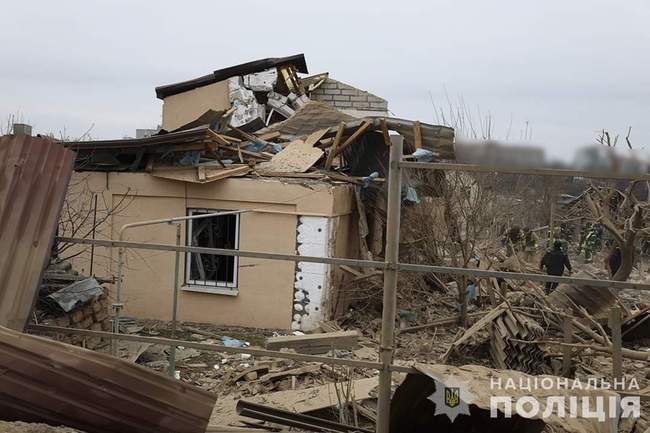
point(495, 154)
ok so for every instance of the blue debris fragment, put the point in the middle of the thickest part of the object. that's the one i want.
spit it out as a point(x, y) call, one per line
point(233, 342)
point(424, 155)
point(367, 180)
point(410, 194)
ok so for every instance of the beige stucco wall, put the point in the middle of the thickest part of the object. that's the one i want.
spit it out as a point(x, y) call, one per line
point(265, 287)
point(187, 106)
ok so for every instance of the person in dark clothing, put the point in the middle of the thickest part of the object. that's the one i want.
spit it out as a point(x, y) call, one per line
point(614, 261)
point(554, 263)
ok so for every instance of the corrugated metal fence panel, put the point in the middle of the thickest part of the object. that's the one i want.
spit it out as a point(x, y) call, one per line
point(34, 176)
point(47, 381)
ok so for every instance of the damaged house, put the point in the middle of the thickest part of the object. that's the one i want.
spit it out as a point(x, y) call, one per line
point(296, 166)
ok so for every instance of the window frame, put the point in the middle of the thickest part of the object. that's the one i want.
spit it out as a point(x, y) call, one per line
point(210, 285)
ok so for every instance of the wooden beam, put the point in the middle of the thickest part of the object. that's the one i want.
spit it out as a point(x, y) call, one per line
point(352, 138)
point(617, 343)
point(315, 343)
point(417, 134)
point(384, 131)
point(566, 350)
point(332, 152)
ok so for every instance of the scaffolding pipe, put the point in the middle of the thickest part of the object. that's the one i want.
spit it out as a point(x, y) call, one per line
point(177, 260)
point(390, 288)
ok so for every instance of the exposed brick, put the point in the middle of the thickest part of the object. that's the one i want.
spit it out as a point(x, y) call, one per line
point(380, 105)
point(329, 84)
point(343, 104)
point(322, 97)
point(77, 316)
point(349, 92)
point(361, 105)
point(332, 92)
point(341, 98)
point(345, 86)
point(372, 98)
point(363, 98)
point(319, 91)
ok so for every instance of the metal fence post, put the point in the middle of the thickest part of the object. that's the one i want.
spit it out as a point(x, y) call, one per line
point(390, 287)
point(172, 348)
point(117, 305)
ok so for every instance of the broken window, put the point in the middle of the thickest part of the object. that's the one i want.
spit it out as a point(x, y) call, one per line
point(220, 231)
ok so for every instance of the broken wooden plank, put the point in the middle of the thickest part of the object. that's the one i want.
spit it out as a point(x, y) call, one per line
point(384, 132)
point(315, 136)
point(335, 145)
point(297, 157)
point(480, 324)
point(351, 138)
point(270, 135)
point(314, 368)
point(439, 322)
point(315, 343)
point(417, 134)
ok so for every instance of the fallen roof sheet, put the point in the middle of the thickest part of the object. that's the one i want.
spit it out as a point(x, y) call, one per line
point(192, 135)
point(318, 115)
point(34, 176)
point(297, 60)
point(48, 381)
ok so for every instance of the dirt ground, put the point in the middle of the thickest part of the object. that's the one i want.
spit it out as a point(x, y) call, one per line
point(23, 427)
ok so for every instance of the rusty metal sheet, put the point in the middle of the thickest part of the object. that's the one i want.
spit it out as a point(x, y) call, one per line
point(55, 383)
point(34, 176)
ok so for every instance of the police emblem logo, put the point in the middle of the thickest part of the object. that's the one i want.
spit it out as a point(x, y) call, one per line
point(452, 396)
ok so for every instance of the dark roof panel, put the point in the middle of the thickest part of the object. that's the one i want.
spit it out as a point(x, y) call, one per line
point(297, 60)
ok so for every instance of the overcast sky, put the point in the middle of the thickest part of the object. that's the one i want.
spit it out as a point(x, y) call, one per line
point(569, 68)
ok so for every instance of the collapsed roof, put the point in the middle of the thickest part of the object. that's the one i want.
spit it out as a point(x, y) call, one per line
point(272, 128)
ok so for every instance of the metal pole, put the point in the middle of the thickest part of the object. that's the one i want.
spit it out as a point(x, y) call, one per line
point(172, 349)
point(390, 287)
point(117, 305)
point(92, 247)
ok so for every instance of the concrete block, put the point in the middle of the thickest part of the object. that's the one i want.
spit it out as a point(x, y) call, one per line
point(359, 98)
point(379, 105)
point(332, 92)
point(372, 98)
point(361, 105)
point(329, 84)
point(322, 97)
point(349, 92)
point(343, 86)
point(341, 98)
point(343, 104)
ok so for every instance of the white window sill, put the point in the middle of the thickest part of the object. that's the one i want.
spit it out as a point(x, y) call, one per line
point(214, 290)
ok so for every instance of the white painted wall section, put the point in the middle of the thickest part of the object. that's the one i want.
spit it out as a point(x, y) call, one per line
point(315, 237)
